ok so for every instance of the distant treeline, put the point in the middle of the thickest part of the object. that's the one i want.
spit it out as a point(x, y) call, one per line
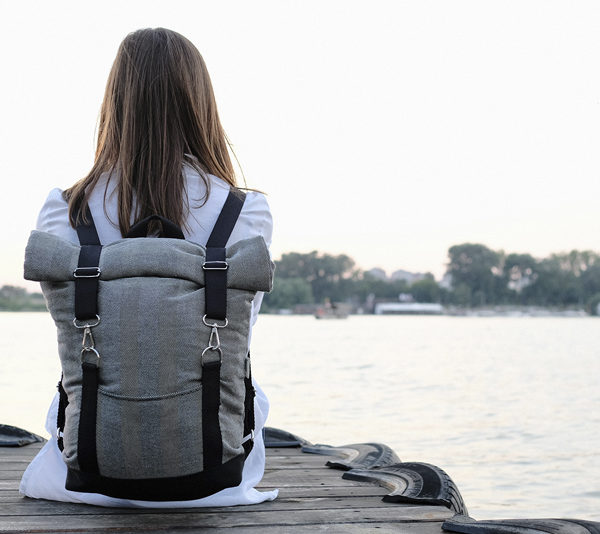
point(476, 276)
point(18, 299)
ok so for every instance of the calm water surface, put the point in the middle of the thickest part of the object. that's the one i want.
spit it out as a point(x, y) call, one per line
point(509, 407)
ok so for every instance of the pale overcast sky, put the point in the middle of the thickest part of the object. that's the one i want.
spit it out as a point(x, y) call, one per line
point(386, 130)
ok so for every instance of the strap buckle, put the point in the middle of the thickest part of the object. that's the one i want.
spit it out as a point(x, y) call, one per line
point(215, 265)
point(87, 272)
point(249, 437)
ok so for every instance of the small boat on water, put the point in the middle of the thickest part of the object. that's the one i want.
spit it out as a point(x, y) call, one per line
point(333, 310)
point(408, 308)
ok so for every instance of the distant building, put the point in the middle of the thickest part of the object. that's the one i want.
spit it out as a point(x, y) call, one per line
point(408, 308)
point(407, 276)
point(446, 281)
point(377, 273)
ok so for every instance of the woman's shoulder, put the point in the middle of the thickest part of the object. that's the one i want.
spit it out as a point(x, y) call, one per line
point(54, 216)
point(254, 201)
point(255, 217)
point(55, 200)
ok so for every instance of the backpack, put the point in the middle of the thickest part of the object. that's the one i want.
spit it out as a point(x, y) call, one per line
point(156, 397)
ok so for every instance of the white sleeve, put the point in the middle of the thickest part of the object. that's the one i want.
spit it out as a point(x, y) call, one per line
point(54, 217)
point(255, 219)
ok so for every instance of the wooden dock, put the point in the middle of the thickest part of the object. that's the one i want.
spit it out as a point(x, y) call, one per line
point(312, 498)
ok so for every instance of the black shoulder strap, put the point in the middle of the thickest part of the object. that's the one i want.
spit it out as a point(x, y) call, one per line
point(86, 313)
point(227, 219)
point(215, 267)
point(88, 270)
point(87, 233)
point(215, 292)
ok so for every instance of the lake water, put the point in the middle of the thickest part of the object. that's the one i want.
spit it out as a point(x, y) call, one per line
point(508, 407)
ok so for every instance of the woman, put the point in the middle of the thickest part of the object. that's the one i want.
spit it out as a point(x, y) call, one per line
point(161, 150)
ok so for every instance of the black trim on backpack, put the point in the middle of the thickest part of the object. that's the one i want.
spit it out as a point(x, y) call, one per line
point(183, 488)
point(212, 449)
point(215, 287)
point(63, 402)
point(168, 228)
point(249, 423)
point(86, 439)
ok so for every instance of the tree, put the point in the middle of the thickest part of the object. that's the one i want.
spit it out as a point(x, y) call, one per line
point(14, 298)
point(287, 292)
point(590, 281)
point(520, 271)
point(555, 285)
point(593, 304)
point(425, 290)
point(475, 267)
point(324, 272)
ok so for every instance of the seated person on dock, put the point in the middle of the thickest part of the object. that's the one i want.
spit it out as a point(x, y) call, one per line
point(157, 405)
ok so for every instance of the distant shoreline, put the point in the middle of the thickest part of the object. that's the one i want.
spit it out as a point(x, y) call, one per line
point(497, 311)
point(455, 311)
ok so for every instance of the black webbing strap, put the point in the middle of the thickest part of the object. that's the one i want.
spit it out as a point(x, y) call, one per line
point(227, 219)
point(86, 276)
point(215, 291)
point(249, 422)
point(88, 271)
point(211, 400)
point(63, 401)
point(215, 267)
point(86, 439)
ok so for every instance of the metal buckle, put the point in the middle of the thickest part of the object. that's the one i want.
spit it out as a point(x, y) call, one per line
point(247, 367)
point(217, 350)
point(86, 324)
point(88, 350)
point(249, 437)
point(215, 324)
point(216, 265)
point(87, 272)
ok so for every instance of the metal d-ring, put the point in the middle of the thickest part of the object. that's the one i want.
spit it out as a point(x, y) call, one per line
point(217, 349)
point(86, 325)
point(215, 324)
point(90, 349)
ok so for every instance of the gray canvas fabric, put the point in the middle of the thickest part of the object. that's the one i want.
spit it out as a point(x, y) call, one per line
point(150, 339)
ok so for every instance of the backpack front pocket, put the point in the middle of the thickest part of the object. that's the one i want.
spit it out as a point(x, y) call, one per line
point(166, 440)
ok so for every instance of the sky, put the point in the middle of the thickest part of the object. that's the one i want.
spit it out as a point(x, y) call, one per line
point(385, 130)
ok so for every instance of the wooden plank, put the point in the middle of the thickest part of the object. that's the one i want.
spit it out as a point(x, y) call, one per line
point(18, 466)
point(25, 452)
point(26, 506)
point(331, 528)
point(305, 477)
point(224, 518)
point(287, 451)
point(340, 528)
point(11, 476)
point(291, 493)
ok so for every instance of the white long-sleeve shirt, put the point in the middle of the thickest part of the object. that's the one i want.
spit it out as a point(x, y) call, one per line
point(45, 477)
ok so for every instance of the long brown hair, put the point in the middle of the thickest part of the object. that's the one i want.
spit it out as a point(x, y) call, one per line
point(158, 112)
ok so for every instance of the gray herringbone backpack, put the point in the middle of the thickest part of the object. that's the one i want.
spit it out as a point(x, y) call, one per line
point(156, 394)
